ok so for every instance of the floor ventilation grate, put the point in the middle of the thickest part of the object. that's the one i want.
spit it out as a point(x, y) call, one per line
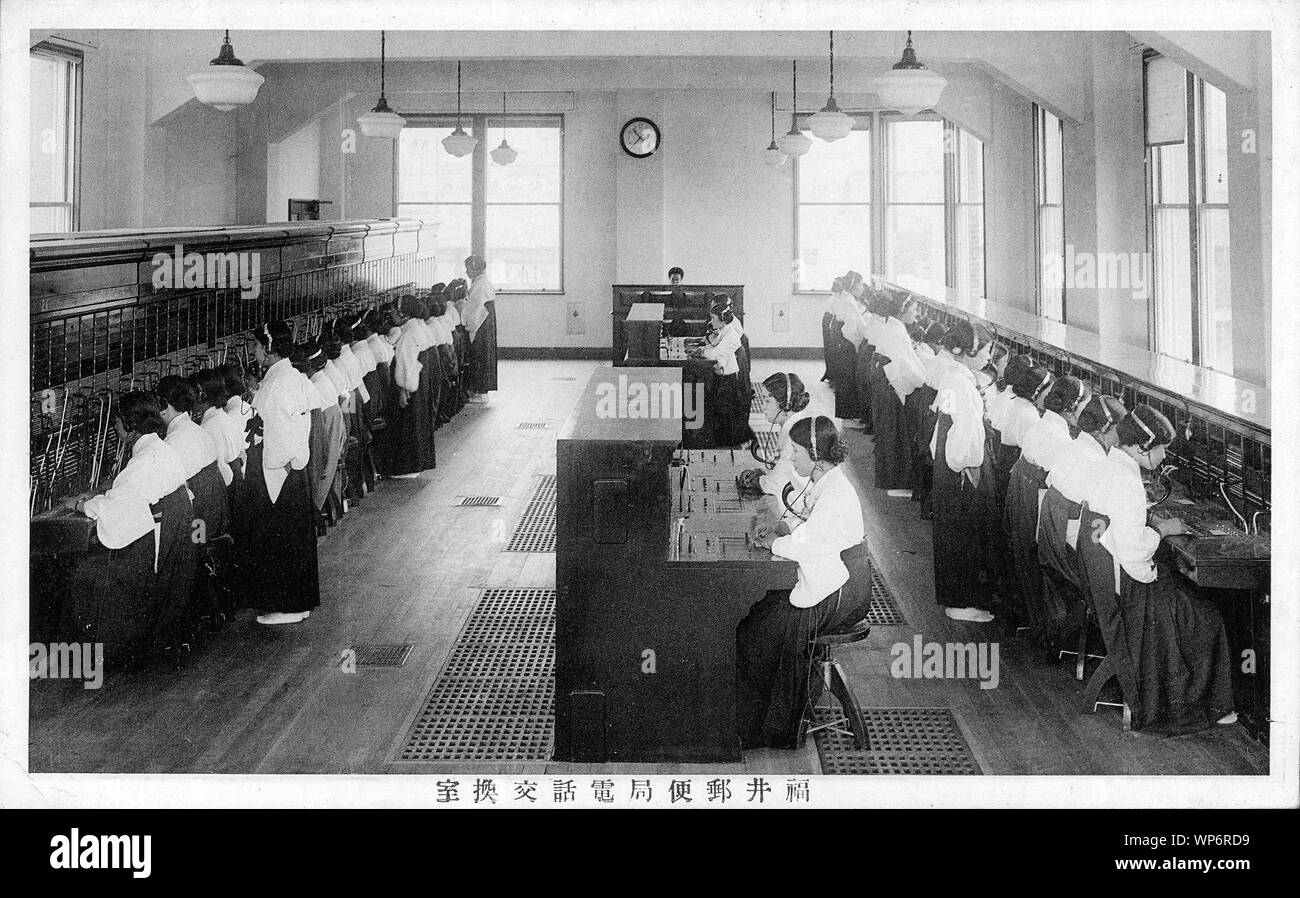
point(904, 741)
point(756, 401)
point(535, 531)
point(564, 378)
point(532, 425)
point(768, 445)
point(493, 700)
point(380, 654)
point(478, 502)
point(884, 610)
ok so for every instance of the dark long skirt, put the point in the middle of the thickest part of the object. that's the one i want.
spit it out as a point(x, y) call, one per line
point(178, 566)
point(921, 426)
point(211, 501)
point(848, 404)
point(277, 545)
point(864, 364)
point(482, 373)
point(1021, 521)
point(406, 446)
point(111, 600)
point(328, 436)
point(1171, 653)
point(893, 449)
point(773, 666)
point(963, 576)
point(451, 399)
point(1005, 459)
point(431, 365)
point(828, 342)
point(726, 406)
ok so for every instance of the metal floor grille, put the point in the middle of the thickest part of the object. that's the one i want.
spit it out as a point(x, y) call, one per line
point(478, 501)
point(884, 610)
point(536, 529)
point(768, 444)
point(756, 400)
point(904, 741)
point(494, 699)
point(381, 654)
point(532, 425)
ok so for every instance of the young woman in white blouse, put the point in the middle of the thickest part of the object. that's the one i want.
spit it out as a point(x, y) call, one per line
point(407, 446)
point(198, 452)
point(964, 571)
point(896, 372)
point(785, 403)
point(996, 404)
point(1070, 471)
point(226, 430)
point(114, 591)
point(1171, 646)
point(921, 418)
point(1022, 412)
point(1042, 443)
point(726, 407)
point(772, 661)
point(277, 543)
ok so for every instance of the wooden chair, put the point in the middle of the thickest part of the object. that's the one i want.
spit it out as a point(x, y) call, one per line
point(1059, 561)
point(1097, 576)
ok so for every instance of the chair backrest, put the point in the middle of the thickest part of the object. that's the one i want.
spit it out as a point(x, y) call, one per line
point(1055, 552)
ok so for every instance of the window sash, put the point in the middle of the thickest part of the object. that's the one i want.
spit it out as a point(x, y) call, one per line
point(71, 77)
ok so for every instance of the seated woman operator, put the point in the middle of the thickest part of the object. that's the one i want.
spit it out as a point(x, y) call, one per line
point(1175, 642)
point(785, 403)
point(825, 518)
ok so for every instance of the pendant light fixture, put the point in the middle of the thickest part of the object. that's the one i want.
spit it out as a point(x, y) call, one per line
point(773, 155)
point(226, 82)
point(504, 154)
point(910, 87)
point(381, 121)
point(794, 143)
point(830, 124)
point(458, 143)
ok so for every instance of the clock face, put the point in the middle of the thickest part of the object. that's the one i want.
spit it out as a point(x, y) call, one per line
point(640, 138)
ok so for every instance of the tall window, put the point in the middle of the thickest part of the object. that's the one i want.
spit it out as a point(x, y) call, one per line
point(1049, 186)
point(512, 215)
point(55, 117)
point(899, 196)
point(1187, 185)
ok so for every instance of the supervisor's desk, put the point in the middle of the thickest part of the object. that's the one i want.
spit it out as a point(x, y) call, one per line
point(646, 609)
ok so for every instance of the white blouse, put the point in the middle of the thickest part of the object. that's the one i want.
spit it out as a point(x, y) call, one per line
point(723, 355)
point(844, 307)
point(364, 356)
point(226, 438)
point(284, 400)
point(382, 349)
point(324, 390)
point(122, 515)
point(241, 413)
point(1073, 472)
point(1045, 440)
point(1116, 491)
point(996, 407)
point(1019, 416)
point(352, 371)
point(481, 292)
point(904, 371)
point(773, 482)
point(438, 326)
point(959, 397)
point(834, 524)
point(406, 370)
point(935, 366)
point(194, 446)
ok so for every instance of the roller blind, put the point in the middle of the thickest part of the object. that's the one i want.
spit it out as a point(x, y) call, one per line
point(1166, 102)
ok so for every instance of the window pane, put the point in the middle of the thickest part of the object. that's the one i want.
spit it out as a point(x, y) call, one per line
point(1215, 127)
point(832, 239)
point(1051, 237)
point(970, 168)
point(916, 162)
point(51, 219)
point(49, 132)
point(916, 242)
point(534, 176)
point(427, 172)
point(1173, 283)
point(970, 249)
point(453, 235)
point(1216, 291)
point(1171, 166)
point(1054, 185)
point(838, 172)
point(523, 247)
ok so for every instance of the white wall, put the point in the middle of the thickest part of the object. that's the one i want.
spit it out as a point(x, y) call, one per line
point(293, 170)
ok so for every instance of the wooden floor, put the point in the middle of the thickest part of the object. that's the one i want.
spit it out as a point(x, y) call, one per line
point(406, 567)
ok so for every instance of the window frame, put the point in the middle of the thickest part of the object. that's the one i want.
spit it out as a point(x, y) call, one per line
point(72, 119)
point(876, 122)
point(480, 125)
point(1041, 202)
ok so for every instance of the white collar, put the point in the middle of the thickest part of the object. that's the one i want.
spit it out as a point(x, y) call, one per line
point(1056, 421)
point(1122, 458)
point(1091, 444)
point(178, 422)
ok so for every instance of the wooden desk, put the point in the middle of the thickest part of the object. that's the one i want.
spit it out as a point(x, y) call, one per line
point(646, 633)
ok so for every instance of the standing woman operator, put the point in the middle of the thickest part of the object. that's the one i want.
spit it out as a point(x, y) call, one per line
point(480, 320)
point(726, 403)
point(772, 655)
point(278, 565)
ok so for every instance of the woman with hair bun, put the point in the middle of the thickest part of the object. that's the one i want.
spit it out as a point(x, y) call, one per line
point(1098, 432)
point(1169, 648)
point(198, 452)
point(785, 403)
point(726, 404)
point(1023, 411)
point(921, 418)
point(897, 372)
point(277, 543)
point(772, 657)
point(964, 573)
point(407, 444)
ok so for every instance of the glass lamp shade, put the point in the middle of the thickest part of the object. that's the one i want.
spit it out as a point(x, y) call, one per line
point(773, 156)
point(225, 86)
point(458, 143)
point(910, 90)
point(793, 144)
point(504, 154)
point(830, 124)
point(381, 121)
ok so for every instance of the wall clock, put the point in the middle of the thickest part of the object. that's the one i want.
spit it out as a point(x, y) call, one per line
point(640, 138)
